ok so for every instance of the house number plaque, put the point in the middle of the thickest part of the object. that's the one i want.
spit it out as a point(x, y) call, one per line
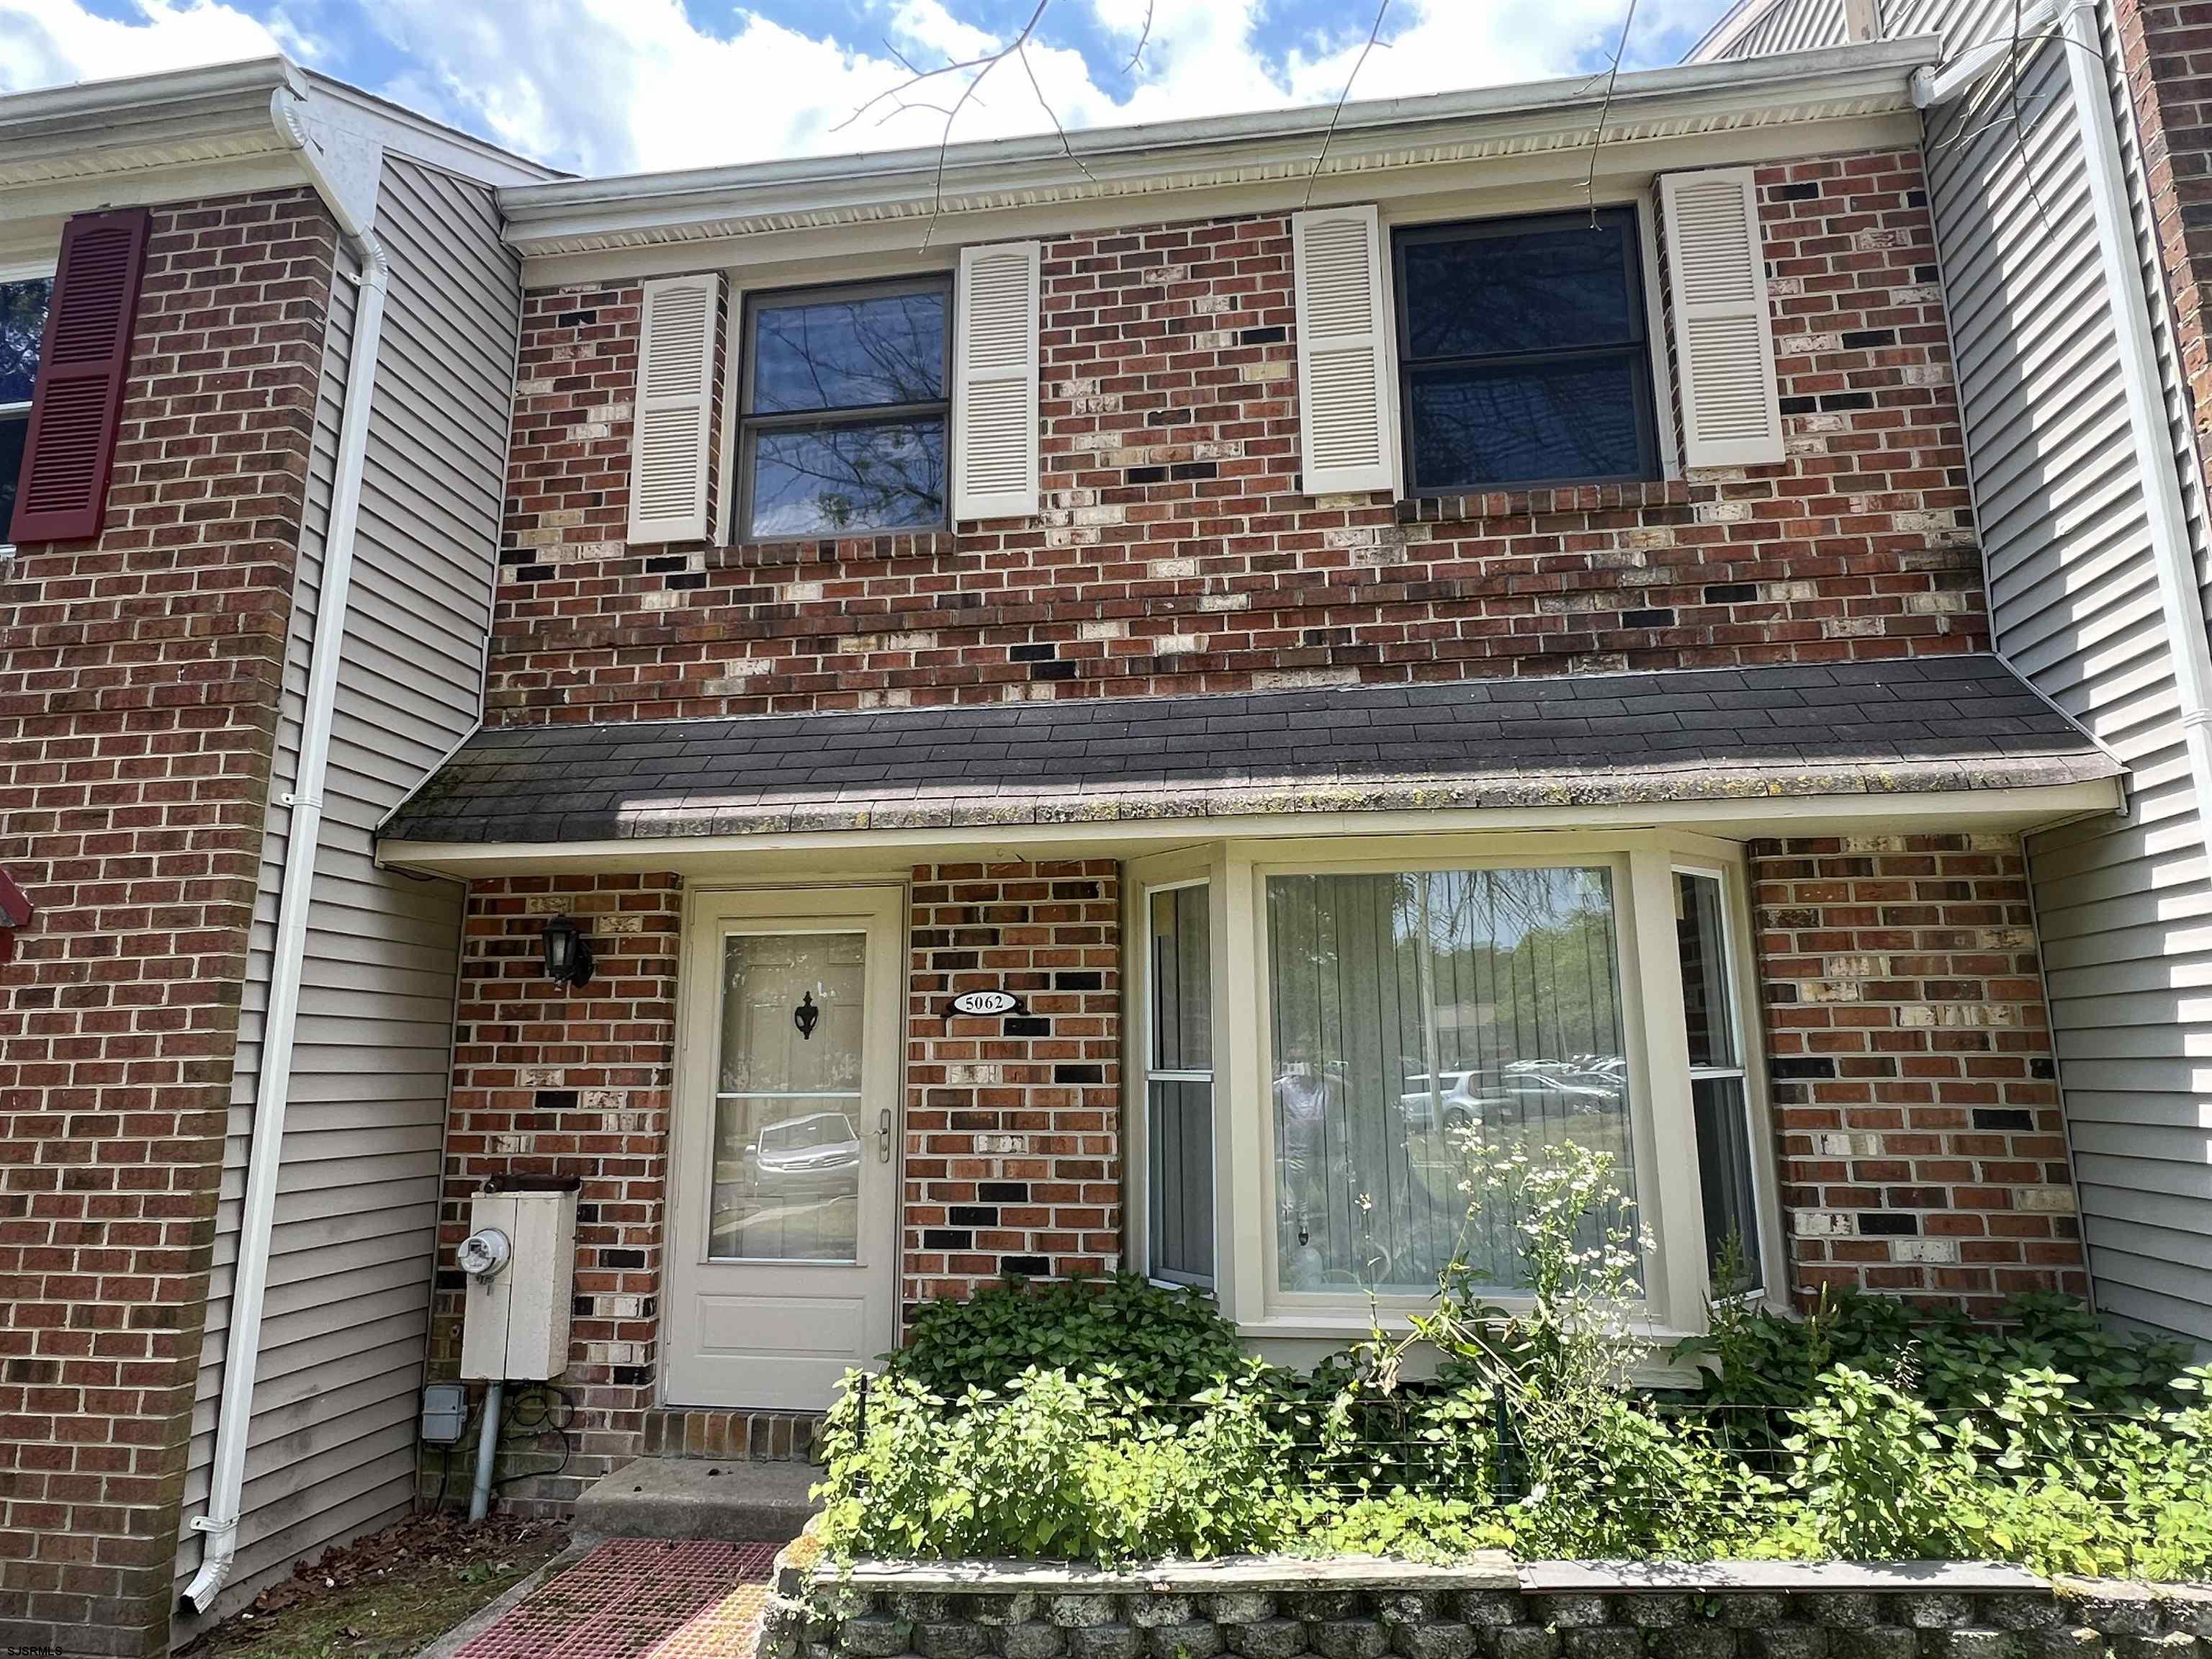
point(983, 1004)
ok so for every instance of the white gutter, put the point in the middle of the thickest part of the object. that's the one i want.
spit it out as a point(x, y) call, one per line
point(1835, 82)
point(250, 1275)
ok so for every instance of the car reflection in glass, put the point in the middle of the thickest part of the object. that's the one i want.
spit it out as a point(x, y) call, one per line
point(810, 1156)
point(1459, 1099)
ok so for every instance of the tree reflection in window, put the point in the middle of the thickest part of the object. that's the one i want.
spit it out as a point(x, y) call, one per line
point(845, 414)
point(22, 327)
point(1522, 352)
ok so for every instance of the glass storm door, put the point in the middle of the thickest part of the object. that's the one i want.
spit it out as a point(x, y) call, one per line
point(785, 1147)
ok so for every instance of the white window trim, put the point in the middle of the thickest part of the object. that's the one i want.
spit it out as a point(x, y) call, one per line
point(1146, 1075)
point(1655, 1036)
point(1141, 878)
point(1742, 978)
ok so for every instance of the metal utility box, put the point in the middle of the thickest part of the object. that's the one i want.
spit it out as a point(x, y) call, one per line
point(520, 1265)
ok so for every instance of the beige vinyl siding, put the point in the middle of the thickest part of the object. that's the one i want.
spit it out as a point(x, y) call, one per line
point(333, 1445)
point(1789, 26)
point(2123, 904)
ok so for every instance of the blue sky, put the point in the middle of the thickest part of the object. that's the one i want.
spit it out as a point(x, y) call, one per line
point(606, 86)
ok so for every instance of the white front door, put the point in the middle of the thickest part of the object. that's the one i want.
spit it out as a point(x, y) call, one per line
point(783, 1166)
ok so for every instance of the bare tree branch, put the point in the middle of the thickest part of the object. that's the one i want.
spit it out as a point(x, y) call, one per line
point(1604, 110)
point(981, 64)
point(1144, 38)
point(2020, 126)
point(1022, 52)
point(1343, 98)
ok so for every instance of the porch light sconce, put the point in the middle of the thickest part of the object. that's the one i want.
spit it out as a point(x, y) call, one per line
point(567, 952)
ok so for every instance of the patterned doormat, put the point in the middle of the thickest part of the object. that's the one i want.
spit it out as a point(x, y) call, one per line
point(640, 1598)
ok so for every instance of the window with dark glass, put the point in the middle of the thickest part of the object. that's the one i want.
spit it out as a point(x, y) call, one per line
point(1522, 352)
point(22, 325)
point(844, 416)
point(1179, 1087)
point(1727, 1171)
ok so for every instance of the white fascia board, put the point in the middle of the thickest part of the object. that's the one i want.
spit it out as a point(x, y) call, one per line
point(1280, 145)
point(848, 851)
point(1530, 181)
point(105, 127)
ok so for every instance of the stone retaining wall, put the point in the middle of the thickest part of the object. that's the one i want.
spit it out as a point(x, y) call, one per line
point(1488, 1609)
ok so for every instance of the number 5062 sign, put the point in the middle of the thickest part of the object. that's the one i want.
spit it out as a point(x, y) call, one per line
point(984, 1004)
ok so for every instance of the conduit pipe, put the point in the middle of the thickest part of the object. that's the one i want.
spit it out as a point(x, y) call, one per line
point(250, 1275)
point(2081, 42)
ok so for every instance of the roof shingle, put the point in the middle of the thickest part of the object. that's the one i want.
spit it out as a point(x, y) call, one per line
point(1932, 724)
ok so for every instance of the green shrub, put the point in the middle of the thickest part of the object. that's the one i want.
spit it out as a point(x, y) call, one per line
point(1162, 1345)
point(1116, 1422)
point(1058, 1465)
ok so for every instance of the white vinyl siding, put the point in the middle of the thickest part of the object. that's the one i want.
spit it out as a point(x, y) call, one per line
point(1346, 413)
point(675, 408)
point(1723, 336)
point(2124, 904)
point(994, 382)
point(332, 1446)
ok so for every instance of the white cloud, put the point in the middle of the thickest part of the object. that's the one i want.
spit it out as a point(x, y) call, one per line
point(603, 86)
point(56, 42)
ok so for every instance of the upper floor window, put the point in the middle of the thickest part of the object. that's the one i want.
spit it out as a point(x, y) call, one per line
point(844, 416)
point(22, 327)
point(1524, 354)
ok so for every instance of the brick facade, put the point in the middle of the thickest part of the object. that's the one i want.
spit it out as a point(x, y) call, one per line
point(1011, 1154)
point(139, 683)
point(1912, 1075)
point(1013, 1160)
point(1175, 552)
point(549, 1080)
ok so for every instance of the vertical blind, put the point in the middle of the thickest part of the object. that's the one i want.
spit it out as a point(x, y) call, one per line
point(1407, 1010)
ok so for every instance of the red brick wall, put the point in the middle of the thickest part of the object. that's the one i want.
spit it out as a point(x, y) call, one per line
point(552, 1081)
point(139, 677)
point(1175, 554)
point(1913, 1081)
point(1013, 1158)
point(1012, 1138)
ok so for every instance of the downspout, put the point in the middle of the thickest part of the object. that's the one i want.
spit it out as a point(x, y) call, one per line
point(250, 1276)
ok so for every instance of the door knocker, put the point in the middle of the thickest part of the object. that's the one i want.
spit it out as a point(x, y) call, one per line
point(805, 1017)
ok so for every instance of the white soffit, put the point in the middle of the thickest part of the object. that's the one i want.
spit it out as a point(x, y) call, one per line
point(1555, 118)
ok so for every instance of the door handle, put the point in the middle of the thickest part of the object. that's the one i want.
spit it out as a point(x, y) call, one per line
point(883, 1136)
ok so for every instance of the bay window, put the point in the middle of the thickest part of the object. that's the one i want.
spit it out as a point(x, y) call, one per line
point(1179, 1085)
point(1727, 1165)
point(1373, 1034)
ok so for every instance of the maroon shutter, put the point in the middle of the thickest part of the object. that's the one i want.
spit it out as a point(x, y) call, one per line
point(66, 455)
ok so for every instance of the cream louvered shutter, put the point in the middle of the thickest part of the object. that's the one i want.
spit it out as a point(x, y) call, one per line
point(1346, 423)
point(674, 409)
point(1724, 336)
point(994, 382)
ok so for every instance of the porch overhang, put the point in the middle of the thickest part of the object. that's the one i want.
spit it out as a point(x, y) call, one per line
point(1956, 741)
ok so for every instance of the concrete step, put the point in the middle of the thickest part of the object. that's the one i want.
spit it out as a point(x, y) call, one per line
point(700, 1498)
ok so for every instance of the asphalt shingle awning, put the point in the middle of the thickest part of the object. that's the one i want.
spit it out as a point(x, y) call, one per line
point(1932, 725)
